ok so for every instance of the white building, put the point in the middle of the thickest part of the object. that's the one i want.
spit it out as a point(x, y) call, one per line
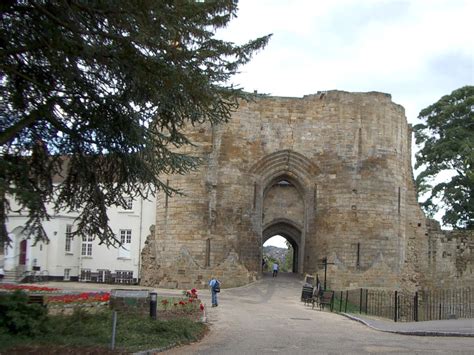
point(64, 258)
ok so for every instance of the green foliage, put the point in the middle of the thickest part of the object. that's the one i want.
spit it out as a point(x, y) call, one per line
point(269, 262)
point(446, 138)
point(96, 96)
point(288, 264)
point(285, 266)
point(85, 330)
point(19, 317)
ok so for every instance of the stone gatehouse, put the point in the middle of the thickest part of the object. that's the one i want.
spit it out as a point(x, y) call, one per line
point(330, 172)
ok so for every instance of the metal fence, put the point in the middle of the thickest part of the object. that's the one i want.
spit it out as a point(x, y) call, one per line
point(407, 307)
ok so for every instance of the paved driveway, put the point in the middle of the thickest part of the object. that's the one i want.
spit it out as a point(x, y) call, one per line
point(267, 317)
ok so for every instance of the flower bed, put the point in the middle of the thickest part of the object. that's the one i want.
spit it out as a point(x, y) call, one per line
point(83, 297)
point(87, 301)
point(28, 288)
point(63, 303)
point(188, 306)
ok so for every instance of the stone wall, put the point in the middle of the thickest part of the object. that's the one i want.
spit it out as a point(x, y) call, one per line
point(331, 172)
point(449, 258)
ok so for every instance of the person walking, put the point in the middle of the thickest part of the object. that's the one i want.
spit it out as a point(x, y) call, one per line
point(215, 286)
point(275, 269)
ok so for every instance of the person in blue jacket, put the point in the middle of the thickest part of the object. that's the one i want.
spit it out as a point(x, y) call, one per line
point(214, 284)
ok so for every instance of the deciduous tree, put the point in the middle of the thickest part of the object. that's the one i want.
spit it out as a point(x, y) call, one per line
point(446, 139)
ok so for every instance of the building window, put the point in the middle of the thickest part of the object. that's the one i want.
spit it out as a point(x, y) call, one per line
point(124, 277)
point(86, 249)
point(67, 275)
point(128, 203)
point(104, 276)
point(126, 240)
point(85, 274)
point(125, 236)
point(67, 247)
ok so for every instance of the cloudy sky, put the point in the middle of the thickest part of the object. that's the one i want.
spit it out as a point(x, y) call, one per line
point(415, 50)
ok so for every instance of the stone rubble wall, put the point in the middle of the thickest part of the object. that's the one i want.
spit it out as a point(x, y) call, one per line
point(450, 258)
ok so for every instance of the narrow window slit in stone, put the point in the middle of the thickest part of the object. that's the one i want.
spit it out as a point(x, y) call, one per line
point(358, 256)
point(254, 195)
point(208, 252)
point(399, 198)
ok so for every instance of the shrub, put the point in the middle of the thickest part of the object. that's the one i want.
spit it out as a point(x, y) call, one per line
point(19, 317)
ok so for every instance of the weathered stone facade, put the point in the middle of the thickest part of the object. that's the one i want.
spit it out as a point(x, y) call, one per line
point(331, 172)
point(450, 258)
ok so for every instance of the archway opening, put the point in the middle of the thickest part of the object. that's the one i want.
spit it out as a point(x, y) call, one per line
point(283, 216)
point(279, 250)
point(280, 244)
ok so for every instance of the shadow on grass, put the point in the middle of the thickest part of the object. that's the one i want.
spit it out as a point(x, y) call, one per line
point(84, 332)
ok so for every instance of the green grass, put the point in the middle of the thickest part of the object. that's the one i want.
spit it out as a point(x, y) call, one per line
point(351, 308)
point(134, 332)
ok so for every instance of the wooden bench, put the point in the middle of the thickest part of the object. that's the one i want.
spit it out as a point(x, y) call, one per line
point(326, 298)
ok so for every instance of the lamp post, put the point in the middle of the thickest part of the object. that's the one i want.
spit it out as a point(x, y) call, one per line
point(153, 303)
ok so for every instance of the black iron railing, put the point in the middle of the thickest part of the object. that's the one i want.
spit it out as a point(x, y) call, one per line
point(405, 306)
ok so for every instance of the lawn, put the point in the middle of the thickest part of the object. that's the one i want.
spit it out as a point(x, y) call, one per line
point(28, 328)
point(82, 330)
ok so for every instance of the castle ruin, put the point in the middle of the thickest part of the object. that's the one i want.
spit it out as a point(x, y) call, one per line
point(330, 172)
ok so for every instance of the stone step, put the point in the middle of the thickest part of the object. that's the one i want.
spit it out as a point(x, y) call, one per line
point(10, 277)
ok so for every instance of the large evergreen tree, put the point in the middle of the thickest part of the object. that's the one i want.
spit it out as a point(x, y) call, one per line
point(446, 137)
point(97, 93)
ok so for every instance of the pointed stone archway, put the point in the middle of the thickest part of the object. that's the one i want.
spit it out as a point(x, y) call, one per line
point(291, 232)
point(285, 200)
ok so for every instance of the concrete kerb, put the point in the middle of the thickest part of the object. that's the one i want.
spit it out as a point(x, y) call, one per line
point(156, 350)
point(408, 332)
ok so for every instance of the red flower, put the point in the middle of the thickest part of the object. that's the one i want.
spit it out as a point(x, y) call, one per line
point(27, 288)
point(193, 291)
point(190, 300)
point(182, 303)
point(201, 307)
point(82, 297)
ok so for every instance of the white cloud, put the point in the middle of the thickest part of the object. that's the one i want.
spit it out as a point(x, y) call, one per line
point(415, 50)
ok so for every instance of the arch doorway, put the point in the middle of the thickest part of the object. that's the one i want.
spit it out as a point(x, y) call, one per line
point(284, 200)
point(292, 234)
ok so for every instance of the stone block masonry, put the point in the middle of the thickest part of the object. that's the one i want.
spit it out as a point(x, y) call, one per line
point(331, 172)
